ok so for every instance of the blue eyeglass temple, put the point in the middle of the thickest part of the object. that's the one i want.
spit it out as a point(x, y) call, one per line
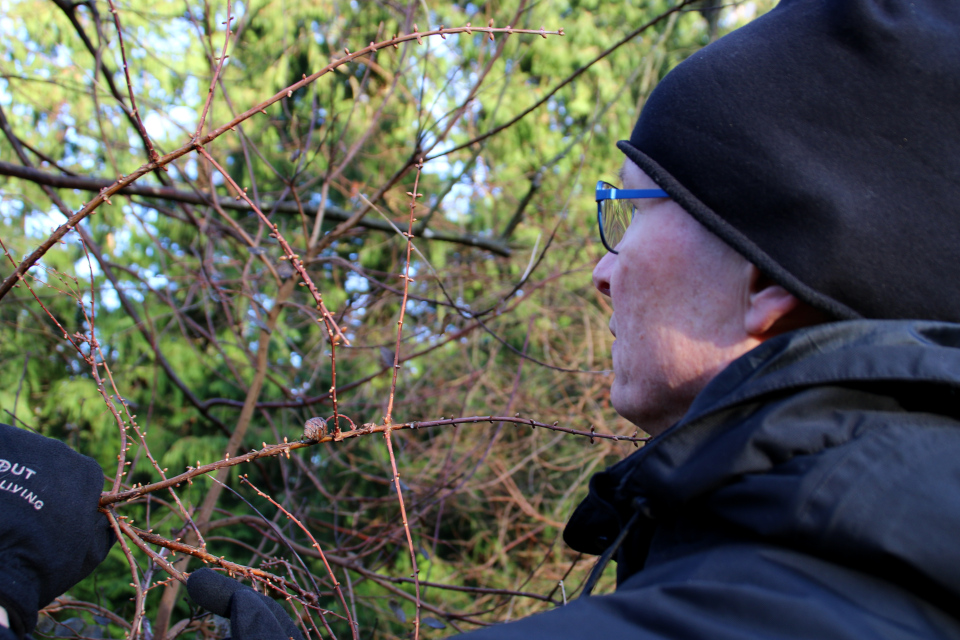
point(626, 194)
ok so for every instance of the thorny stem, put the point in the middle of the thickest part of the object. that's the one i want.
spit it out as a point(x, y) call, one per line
point(459, 111)
point(406, 291)
point(333, 382)
point(132, 534)
point(388, 419)
point(334, 333)
point(406, 529)
point(87, 243)
point(231, 567)
point(94, 367)
point(284, 448)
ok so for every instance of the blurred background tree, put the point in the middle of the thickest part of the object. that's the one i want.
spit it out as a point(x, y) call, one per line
point(215, 350)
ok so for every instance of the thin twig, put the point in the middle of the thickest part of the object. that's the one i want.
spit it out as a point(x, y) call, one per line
point(126, 72)
point(216, 75)
point(139, 601)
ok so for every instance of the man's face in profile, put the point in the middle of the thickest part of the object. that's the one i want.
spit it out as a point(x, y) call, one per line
point(678, 294)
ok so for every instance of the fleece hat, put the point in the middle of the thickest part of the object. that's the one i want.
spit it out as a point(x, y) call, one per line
point(822, 142)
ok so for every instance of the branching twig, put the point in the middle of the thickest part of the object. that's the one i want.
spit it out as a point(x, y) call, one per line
point(316, 545)
point(573, 76)
point(124, 181)
point(333, 330)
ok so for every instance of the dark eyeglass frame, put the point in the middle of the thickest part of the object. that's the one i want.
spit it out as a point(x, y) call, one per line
point(607, 198)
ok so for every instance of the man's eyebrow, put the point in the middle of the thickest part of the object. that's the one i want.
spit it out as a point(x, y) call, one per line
point(620, 174)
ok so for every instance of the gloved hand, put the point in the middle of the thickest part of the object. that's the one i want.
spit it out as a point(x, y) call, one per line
point(253, 616)
point(51, 533)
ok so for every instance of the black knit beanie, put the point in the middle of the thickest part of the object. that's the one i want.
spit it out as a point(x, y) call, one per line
point(822, 142)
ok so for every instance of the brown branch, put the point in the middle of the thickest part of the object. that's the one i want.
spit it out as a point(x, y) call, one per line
point(332, 212)
point(331, 324)
point(132, 534)
point(388, 419)
point(139, 601)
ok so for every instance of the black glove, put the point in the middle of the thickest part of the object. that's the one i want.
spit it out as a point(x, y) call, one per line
point(253, 616)
point(51, 533)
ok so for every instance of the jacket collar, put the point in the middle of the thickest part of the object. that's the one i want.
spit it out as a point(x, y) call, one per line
point(815, 439)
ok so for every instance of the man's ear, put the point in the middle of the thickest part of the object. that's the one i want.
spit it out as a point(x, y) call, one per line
point(771, 309)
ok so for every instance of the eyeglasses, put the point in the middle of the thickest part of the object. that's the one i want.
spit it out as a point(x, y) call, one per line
point(613, 215)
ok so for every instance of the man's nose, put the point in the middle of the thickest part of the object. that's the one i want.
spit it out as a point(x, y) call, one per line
point(601, 273)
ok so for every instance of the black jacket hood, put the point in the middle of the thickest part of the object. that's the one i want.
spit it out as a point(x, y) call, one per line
point(841, 441)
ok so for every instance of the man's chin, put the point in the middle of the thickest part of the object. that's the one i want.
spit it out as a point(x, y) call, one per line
point(652, 420)
point(624, 402)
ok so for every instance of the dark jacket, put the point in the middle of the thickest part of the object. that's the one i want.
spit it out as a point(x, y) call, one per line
point(812, 491)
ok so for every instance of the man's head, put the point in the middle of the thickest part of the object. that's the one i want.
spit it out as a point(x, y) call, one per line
point(810, 159)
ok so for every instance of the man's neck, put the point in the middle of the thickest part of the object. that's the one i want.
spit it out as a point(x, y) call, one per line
point(4, 620)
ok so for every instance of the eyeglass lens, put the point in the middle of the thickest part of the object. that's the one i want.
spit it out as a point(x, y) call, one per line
point(615, 216)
